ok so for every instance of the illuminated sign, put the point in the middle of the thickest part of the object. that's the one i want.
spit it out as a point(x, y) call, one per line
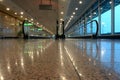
point(40, 29)
point(28, 24)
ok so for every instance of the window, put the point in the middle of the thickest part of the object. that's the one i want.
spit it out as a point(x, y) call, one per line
point(117, 58)
point(95, 17)
point(88, 24)
point(117, 16)
point(106, 17)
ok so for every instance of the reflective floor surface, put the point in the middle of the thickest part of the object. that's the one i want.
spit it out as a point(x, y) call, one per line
point(70, 59)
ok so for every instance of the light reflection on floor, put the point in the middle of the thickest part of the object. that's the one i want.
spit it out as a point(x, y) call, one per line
point(51, 60)
point(104, 52)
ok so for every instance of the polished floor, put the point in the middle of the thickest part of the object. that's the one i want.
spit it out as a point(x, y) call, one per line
point(71, 59)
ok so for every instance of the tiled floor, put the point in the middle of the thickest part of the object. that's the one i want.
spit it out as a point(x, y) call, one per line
point(59, 60)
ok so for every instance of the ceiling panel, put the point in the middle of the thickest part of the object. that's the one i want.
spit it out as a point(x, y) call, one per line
point(48, 17)
point(45, 17)
point(81, 9)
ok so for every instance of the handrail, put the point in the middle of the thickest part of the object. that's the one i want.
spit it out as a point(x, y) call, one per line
point(85, 26)
point(97, 26)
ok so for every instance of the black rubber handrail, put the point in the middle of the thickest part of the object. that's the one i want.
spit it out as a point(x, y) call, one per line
point(97, 29)
point(97, 26)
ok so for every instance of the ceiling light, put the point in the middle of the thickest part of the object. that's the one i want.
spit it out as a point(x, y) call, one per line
point(31, 19)
point(72, 16)
point(110, 2)
point(22, 13)
point(94, 13)
point(7, 9)
point(76, 9)
point(21, 16)
point(61, 19)
point(37, 23)
point(74, 13)
point(26, 19)
point(80, 2)
point(15, 13)
point(62, 12)
point(90, 16)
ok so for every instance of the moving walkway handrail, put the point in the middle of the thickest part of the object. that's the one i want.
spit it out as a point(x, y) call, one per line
point(83, 26)
point(97, 26)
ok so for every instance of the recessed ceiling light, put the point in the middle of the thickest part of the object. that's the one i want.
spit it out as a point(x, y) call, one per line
point(22, 13)
point(26, 19)
point(72, 16)
point(74, 13)
point(80, 2)
point(61, 19)
point(15, 13)
point(76, 8)
point(21, 16)
point(31, 19)
point(90, 16)
point(37, 23)
point(95, 13)
point(62, 12)
point(110, 2)
point(7, 9)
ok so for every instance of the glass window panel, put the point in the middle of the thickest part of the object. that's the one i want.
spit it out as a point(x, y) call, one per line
point(106, 17)
point(88, 25)
point(94, 17)
point(88, 28)
point(117, 16)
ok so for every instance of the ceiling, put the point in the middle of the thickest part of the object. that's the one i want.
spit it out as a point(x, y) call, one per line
point(48, 18)
point(81, 9)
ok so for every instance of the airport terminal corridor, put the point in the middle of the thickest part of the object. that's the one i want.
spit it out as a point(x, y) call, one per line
point(70, 59)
